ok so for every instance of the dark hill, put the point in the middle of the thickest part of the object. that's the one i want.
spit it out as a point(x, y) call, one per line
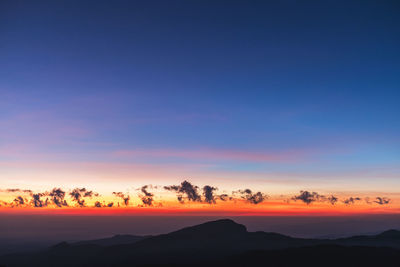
point(390, 234)
point(389, 238)
point(220, 228)
point(317, 256)
point(221, 242)
point(115, 240)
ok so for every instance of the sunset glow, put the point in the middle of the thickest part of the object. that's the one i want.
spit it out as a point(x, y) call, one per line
point(272, 116)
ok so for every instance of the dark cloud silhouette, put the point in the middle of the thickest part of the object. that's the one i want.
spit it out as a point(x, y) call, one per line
point(57, 197)
point(382, 200)
point(210, 197)
point(77, 197)
point(37, 202)
point(185, 191)
point(172, 188)
point(15, 190)
point(90, 194)
point(146, 196)
point(253, 198)
point(308, 197)
point(145, 192)
point(208, 193)
point(98, 204)
point(124, 197)
point(19, 201)
point(147, 201)
point(78, 194)
point(332, 199)
point(223, 197)
point(351, 200)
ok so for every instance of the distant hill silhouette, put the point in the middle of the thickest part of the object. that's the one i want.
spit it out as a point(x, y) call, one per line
point(321, 255)
point(115, 240)
point(386, 239)
point(222, 243)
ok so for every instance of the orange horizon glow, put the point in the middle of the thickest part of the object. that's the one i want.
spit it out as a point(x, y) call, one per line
point(237, 207)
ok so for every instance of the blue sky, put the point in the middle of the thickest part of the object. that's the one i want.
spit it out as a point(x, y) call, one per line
point(316, 84)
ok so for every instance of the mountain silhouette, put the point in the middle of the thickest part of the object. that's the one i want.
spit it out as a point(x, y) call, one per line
point(115, 240)
point(390, 234)
point(222, 243)
point(219, 228)
point(388, 238)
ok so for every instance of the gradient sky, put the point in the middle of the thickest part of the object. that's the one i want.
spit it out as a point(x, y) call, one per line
point(275, 97)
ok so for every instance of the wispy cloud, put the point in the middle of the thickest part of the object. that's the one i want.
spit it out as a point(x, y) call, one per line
point(351, 200)
point(382, 200)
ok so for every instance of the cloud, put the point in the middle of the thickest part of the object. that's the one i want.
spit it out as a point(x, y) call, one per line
point(90, 194)
point(19, 201)
point(14, 190)
point(223, 197)
point(189, 192)
point(98, 204)
point(124, 197)
point(332, 199)
point(210, 197)
point(308, 197)
point(57, 196)
point(250, 197)
point(78, 194)
point(208, 193)
point(351, 200)
point(38, 202)
point(185, 191)
point(382, 200)
point(146, 196)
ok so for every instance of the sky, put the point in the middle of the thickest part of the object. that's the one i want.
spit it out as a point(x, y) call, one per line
point(280, 108)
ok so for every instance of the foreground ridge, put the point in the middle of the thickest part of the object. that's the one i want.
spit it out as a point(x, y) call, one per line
point(221, 242)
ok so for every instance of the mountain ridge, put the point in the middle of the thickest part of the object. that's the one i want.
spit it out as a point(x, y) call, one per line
point(214, 241)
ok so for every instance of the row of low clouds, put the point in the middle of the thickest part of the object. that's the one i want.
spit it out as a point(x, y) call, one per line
point(185, 192)
point(310, 197)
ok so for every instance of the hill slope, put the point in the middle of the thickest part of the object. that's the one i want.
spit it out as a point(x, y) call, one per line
point(221, 242)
